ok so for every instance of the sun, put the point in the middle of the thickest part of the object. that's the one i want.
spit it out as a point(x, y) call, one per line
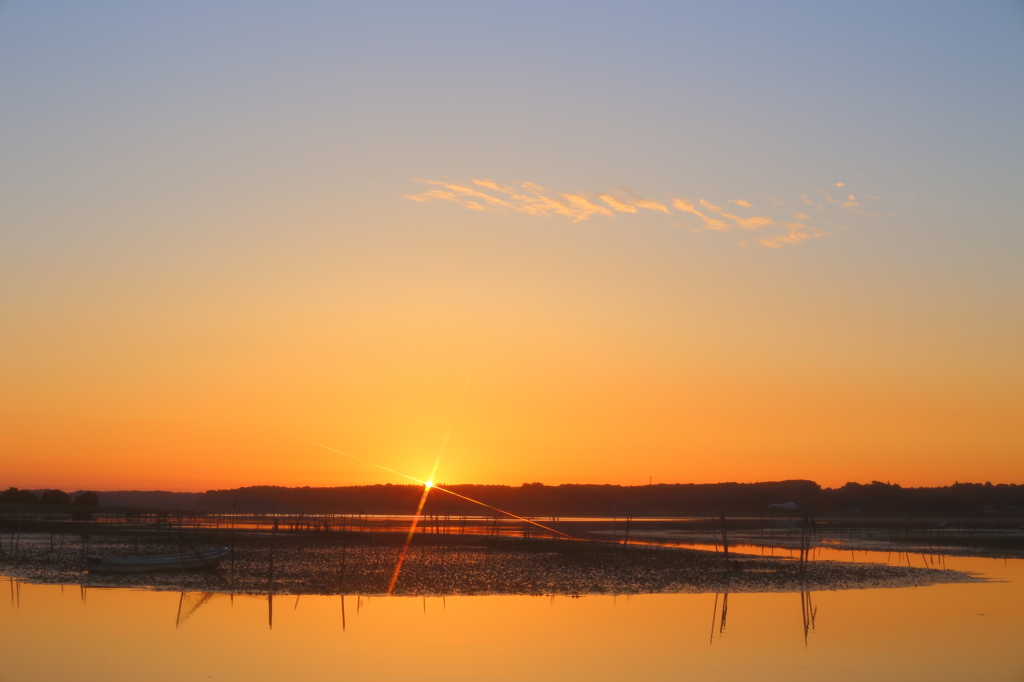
point(429, 485)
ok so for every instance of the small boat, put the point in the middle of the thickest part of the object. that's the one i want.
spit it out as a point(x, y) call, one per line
point(187, 561)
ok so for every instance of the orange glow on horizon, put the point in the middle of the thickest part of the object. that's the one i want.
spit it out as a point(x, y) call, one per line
point(683, 374)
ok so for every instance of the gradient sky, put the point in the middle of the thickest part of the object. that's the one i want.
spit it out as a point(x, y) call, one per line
point(593, 242)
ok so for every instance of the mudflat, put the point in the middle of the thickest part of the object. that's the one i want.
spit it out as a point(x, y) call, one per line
point(332, 563)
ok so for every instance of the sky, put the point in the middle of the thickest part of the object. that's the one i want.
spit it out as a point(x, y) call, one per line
point(574, 242)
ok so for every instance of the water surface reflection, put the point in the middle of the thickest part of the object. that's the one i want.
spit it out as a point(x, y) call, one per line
point(942, 632)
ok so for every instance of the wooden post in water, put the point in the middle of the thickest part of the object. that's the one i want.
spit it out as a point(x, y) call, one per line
point(83, 540)
point(800, 546)
point(804, 541)
point(273, 533)
point(234, 507)
point(17, 543)
point(344, 547)
point(725, 537)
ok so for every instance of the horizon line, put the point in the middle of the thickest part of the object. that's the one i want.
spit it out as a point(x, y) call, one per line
point(508, 485)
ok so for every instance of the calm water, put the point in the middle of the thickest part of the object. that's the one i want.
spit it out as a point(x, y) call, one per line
point(944, 632)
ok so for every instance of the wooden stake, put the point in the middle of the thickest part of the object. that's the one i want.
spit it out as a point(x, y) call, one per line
point(725, 537)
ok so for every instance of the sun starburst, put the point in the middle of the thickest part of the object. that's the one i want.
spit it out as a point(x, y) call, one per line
point(429, 485)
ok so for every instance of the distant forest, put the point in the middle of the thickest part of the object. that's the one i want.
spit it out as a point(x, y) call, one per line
point(537, 499)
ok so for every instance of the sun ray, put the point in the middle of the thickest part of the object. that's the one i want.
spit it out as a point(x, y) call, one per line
point(408, 537)
point(366, 461)
point(427, 485)
point(502, 511)
point(434, 486)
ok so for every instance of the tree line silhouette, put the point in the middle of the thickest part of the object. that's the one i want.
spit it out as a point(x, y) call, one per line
point(49, 497)
point(537, 499)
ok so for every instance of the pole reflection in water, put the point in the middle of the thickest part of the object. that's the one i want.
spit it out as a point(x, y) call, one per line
point(270, 611)
point(714, 614)
point(15, 593)
point(193, 601)
point(809, 612)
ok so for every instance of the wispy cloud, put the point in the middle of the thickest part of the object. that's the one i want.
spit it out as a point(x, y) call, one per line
point(837, 207)
point(774, 231)
point(651, 205)
point(490, 184)
point(751, 223)
point(628, 196)
point(807, 200)
point(460, 193)
point(709, 206)
point(795, 233)
point(824, 194)
point(618, 205)
point(584, 208)
point(686, 206)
